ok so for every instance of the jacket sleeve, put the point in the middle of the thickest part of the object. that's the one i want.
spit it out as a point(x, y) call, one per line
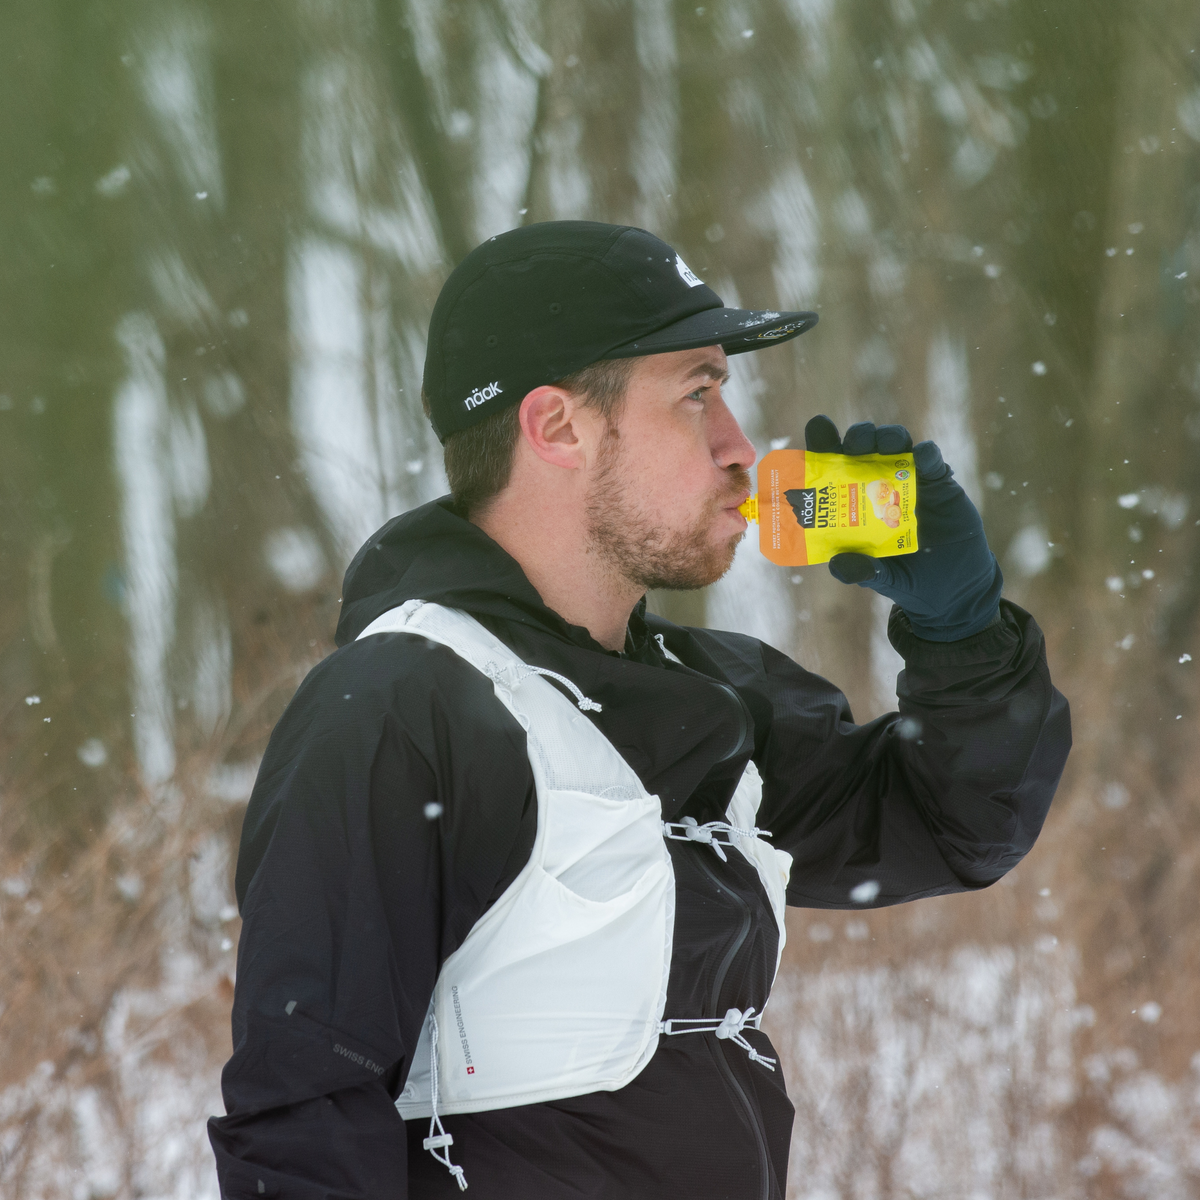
point(377, 834)
point(944, 796)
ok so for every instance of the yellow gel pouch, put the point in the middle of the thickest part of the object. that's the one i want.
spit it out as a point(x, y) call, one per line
point(811, 506)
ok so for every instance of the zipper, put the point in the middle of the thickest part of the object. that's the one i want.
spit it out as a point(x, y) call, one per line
point(743, 713)
point(743, 719)
point(722, 1064)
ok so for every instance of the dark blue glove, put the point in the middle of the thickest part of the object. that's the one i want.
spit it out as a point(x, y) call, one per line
point(950, 588)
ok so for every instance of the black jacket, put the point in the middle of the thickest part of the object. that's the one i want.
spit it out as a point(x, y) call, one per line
point(354, 888)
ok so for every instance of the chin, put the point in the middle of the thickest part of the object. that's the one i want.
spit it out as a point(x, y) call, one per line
point(698, 569)
point(725, 554)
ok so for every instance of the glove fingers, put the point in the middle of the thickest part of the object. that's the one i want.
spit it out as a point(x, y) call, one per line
point(853, 568)
point(860, 438)
point(929, 462)
point(893, 439)
point(821, 436)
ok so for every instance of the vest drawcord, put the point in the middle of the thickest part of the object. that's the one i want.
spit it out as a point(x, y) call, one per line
point(522, 671)
point(690, 831)
point(729, 1027)
point(438, 1138)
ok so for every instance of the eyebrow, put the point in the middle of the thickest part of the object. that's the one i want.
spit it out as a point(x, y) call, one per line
point(708, 370)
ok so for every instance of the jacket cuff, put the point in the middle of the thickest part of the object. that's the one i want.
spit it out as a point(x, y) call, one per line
point(996, 637)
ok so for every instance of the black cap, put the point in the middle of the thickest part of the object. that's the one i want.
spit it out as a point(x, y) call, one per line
point(535, 304)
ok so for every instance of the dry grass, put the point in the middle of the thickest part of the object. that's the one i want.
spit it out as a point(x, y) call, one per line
point(117, 973)
point(113, 976)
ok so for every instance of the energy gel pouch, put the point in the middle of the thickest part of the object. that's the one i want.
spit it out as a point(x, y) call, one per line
point(812, 506)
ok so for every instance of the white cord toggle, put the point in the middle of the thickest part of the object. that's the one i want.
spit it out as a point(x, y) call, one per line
point(439, 1140)
point(690, 831)
point(729, 1027)
point(504, 677)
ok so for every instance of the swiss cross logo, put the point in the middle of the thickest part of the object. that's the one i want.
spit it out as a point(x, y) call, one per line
point(470, 1070)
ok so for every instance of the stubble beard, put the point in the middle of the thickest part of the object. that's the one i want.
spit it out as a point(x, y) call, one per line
point(641, 549)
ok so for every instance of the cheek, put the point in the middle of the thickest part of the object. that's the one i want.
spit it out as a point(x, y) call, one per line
point(677, 484)
point(668, 466)
point(682, 501)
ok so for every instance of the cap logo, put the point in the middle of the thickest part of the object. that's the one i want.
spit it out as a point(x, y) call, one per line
point(778, 332)
point(479, 395)
point(686, 273)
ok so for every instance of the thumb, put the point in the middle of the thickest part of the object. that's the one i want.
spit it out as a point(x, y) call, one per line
point(853, 568)
point(927, 458)
point(821, 436)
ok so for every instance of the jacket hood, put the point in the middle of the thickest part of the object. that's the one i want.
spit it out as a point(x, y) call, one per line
point(434, 553)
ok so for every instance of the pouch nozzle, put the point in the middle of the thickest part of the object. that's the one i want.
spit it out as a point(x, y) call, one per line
point(749, 508)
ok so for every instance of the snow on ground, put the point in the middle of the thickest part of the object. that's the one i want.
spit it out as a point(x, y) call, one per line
point(958, 1078)
point(928, 1080)
point(136, 1126)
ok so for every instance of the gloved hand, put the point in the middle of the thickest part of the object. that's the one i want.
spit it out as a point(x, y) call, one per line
point(950, 588)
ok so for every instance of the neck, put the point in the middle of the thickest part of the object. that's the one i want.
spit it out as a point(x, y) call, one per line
point(550, 541)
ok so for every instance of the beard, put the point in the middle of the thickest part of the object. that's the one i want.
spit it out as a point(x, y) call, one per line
point(644, 551)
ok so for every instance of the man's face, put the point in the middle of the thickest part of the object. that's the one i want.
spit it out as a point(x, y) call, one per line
point(666, 485)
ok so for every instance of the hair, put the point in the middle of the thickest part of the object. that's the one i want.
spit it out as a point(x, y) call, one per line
point(479, 460)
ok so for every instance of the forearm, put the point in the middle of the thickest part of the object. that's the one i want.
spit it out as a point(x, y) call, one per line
point(982, 739)
point(944, 796)
point(348, 1145)
point(319, 1039)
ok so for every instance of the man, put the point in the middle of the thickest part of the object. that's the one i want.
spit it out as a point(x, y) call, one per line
point(511, 912)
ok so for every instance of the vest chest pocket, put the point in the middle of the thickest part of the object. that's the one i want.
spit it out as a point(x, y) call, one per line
point(598, 847)
point(524, 1034)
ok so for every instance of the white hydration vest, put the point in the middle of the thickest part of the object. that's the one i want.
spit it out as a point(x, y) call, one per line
point(559, 988)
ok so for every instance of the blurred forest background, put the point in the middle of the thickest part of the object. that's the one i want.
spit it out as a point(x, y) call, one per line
point(222, 228)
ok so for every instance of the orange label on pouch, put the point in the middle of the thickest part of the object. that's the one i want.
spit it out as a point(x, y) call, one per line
point(811, 506)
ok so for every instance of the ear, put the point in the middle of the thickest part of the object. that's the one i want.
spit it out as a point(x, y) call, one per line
point(555, 426)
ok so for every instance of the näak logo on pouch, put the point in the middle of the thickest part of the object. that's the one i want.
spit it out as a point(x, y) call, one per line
point(479, 395)
point(806, 513)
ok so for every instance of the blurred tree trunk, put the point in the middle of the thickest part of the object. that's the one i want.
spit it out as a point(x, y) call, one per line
point(68, 96)
point(1125, 839)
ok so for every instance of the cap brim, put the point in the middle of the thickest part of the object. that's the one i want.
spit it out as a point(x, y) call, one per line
point(735, 330)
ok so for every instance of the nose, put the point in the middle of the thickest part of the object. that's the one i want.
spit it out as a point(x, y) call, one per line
point(730, 446)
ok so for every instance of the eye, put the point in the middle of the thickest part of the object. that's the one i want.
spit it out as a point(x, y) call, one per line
point(698, 394)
